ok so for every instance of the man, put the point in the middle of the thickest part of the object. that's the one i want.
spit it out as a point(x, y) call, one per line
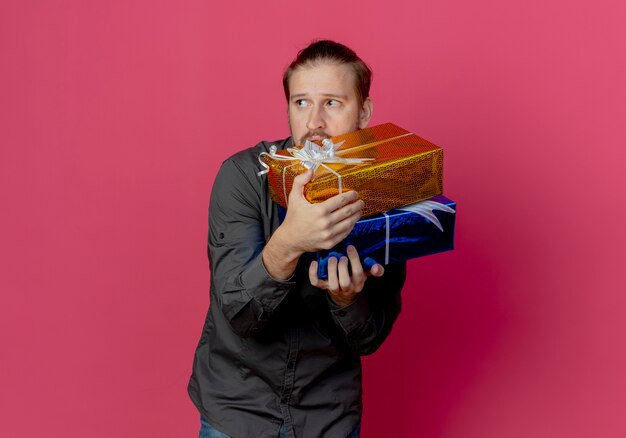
point(280, 349)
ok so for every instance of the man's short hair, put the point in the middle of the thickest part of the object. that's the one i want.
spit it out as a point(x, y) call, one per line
point(331, 51)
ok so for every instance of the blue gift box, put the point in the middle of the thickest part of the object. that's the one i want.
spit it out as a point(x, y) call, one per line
point(398, 235)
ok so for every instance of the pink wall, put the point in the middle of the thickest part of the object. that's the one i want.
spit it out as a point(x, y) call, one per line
point(114, 117)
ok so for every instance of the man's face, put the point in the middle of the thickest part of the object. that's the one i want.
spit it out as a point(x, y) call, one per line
point(323, 103)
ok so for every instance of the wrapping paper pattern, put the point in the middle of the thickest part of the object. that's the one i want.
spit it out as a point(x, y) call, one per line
point(401, 236)
point(406, 169)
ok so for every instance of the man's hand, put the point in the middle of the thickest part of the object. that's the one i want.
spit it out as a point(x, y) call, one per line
point(309, 227)
point(312, 227)
point(342, 287)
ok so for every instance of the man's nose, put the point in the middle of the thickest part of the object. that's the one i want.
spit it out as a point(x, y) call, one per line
point(316, 119)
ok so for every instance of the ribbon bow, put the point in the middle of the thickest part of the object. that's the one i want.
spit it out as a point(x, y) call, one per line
point(311, 156)
point(426, 209)
point(422, 208)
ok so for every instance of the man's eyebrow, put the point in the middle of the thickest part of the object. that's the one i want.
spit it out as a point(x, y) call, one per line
point(301, 95)
point(340, 96)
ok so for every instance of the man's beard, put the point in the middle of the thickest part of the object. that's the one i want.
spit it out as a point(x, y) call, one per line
point(315, 132)
point(321, 133)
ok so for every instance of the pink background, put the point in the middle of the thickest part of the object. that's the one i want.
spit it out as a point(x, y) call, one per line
point(115, 115)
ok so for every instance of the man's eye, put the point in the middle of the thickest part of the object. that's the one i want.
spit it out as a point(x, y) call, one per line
point(333, 102)
point(301, 103)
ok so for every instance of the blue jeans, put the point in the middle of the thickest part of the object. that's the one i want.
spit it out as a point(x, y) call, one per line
point(208, 431)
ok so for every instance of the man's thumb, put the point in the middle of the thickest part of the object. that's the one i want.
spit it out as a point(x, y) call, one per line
point(300, 181)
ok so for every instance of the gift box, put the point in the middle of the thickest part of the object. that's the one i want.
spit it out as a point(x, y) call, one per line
point(386, 164)
point(401, 234)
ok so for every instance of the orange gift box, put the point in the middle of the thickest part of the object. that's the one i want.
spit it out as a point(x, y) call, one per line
point(388, 166)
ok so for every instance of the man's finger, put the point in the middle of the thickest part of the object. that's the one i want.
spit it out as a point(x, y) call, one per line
point(300, 181)
point(340, 200)
point(355, 261)
point(344, 275)
point(313, 273)
point(348, 211)
point(333, 282)
point(341, 229)
point(314, 279)
point(377, 271)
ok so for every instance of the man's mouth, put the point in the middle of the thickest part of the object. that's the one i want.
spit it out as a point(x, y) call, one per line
point(315, 136)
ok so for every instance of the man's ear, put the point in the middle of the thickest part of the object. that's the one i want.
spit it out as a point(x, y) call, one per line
point(366, 113)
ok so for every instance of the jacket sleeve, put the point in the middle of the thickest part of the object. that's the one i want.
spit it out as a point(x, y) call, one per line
point(367, 322)
point(240, 285)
